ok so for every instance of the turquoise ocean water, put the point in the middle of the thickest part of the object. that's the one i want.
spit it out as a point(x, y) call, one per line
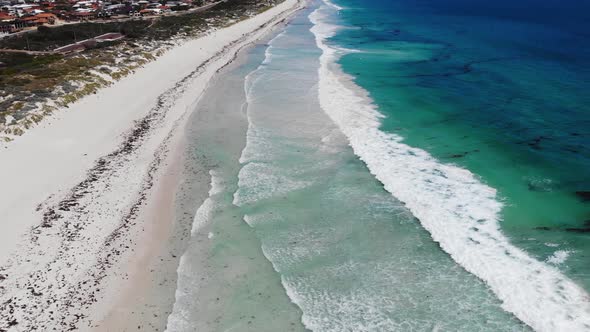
point(408, 166)
point(498, 88)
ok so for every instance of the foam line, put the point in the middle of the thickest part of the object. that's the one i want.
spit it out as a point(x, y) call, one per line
point(460, 212)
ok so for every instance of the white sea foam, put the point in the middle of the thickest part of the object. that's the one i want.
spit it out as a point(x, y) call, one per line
point(333, 5)
point(259, 181)
point(204, 211)
point(257, 175)
point(460, 212)
point(177, 320)
point(249, 81)
point(558, 257)
point(268, 55)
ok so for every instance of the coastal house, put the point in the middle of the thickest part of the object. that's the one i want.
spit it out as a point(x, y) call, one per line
point(4, 17)
point(82, 16)
point(40, 19)
point(10, 23)
point(21, 9)
point(17, 15)
point(49, 16)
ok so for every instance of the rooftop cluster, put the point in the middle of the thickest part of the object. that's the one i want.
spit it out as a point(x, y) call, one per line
point(19, 16)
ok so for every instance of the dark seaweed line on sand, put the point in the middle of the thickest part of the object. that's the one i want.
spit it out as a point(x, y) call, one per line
point(61, 220)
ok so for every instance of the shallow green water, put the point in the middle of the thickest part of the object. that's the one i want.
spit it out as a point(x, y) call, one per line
point(224, 281)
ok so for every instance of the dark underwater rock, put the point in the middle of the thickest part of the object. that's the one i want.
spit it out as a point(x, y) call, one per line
point(579, 230)
point(543, 228)
point(583, 229)
point(583, 195)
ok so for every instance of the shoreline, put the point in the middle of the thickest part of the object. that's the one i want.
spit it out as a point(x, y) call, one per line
point(147, 274)
point(50, 164)
point(150, 293)
point(224, 280)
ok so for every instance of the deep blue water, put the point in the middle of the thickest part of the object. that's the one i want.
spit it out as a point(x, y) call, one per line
point(498, 87)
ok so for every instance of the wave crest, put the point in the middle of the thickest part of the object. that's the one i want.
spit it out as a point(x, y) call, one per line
point(461, 213)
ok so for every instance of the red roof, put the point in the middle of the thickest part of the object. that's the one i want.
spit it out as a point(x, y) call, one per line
point(84, 14)
point(5, 16)
point(40, 18)
point(45, 15)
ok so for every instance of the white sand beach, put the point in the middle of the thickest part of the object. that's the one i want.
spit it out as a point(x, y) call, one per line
point(86, 205)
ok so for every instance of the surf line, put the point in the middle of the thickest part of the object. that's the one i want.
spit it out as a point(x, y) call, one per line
point(460, 212)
